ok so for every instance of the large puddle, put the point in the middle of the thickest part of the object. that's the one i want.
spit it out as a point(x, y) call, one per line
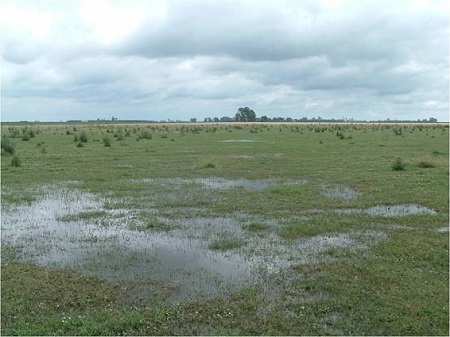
point(115, 252)
point(192, 251)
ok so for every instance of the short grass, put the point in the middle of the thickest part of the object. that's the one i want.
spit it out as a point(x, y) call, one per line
point(398, 287)
point(226, 243)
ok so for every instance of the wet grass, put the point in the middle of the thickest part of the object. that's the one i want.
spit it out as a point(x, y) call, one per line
point(296, 197)
point(153, 225)
point(256, 227)
point(83, 216)
point(226, 243)
point(319, 224)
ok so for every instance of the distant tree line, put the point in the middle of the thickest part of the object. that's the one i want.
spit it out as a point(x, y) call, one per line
point(248, 115)
point(245, 114)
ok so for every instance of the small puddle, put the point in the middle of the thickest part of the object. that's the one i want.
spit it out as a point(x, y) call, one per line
point(340, 192)
point(390, 211)
point(216, 183)
point(239, 141)
point(249, 185)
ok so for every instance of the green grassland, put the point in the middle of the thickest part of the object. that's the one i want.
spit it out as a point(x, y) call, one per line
point(292, 183)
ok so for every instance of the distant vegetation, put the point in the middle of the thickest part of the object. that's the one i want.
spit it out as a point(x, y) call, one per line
point(245, 114)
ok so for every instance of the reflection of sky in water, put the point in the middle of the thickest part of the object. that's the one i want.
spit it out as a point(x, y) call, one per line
point(108, 248)
point(391, 211)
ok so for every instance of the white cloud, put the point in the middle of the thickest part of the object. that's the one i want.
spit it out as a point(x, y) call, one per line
point(110, 23)
point(25, 22)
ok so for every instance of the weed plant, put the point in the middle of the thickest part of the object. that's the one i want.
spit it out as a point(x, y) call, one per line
point(7, 146)
point(83, 137)
point(16, 162)
point(106, 141)
point(425, 164)
point(398, 165)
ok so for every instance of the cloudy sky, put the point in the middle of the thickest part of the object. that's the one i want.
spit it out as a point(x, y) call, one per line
point(159, 60)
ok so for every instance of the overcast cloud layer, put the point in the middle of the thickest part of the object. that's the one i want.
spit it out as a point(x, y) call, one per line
point(159, 60)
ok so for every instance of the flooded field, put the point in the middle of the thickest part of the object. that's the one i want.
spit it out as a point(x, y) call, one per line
point(217, 231)
point(197, 252)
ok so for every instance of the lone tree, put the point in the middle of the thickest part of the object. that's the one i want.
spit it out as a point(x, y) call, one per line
point(245, 115)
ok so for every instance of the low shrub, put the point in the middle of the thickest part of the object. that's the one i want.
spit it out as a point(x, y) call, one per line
point(145, 134)
point(16, 162)
point(107, 141)
point(425, 164)
point(7, 145)
point(83, 137)
point(398, 165)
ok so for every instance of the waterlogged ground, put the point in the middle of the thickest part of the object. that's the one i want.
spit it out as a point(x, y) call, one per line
point(194, 251)
point(219, 230)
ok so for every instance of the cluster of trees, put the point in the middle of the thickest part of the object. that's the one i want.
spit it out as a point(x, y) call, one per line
point(248, 115)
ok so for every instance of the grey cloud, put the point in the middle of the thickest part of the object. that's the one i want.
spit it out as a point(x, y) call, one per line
point(270, 34)
point(280, 57)
point(353, 50)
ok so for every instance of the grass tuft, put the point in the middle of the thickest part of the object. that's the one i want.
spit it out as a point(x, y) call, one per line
point(7, 145)
point(153, 225)
point(425, 164)
point(398, 165)
point(16, 162)
point(256, 227)
point(83, 137)
point(107, 141)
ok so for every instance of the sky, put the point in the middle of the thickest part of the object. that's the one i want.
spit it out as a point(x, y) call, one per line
point(177, 60)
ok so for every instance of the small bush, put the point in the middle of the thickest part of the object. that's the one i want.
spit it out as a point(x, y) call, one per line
point(120, 136)
point(15, 162)
point(425, 164)
point(398, 165)
point(83, 137)
point(145, 134)
point(107, 141)
point(7, 145)
point(26, 137)
point(340, 135)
